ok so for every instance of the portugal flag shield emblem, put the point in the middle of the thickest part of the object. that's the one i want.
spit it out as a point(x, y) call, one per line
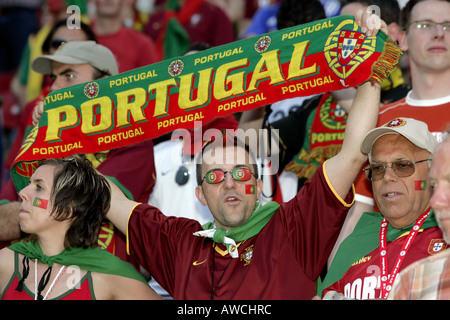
point(436, 245)
point(349, 44)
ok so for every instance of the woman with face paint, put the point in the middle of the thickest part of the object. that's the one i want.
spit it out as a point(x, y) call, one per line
point(62, 208)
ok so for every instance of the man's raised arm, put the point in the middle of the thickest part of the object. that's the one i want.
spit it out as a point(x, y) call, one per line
point(120, 208)
point(343, 168)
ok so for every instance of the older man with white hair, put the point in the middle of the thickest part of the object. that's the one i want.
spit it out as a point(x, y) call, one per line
point(368, 260)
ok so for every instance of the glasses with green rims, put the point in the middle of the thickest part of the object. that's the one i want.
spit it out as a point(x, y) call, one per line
point(217, 175)
point(401, 168)
point(428, 25)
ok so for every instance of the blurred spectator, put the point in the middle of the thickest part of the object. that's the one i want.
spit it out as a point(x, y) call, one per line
point(188, 22)
point(265, 18)
point(131, 48)
point(58, 34)
point(240, 12)
point(18, 19)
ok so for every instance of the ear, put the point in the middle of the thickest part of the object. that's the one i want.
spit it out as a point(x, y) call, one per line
point(402, 40)
point(394, 31)
point(259, 187)
point(200, 195)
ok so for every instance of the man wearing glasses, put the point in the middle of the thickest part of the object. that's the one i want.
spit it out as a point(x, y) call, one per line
point(368, 261)
point(425, 37)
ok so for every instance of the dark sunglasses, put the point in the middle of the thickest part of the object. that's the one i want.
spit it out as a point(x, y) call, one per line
point(56, 43)
point(217, 176)
point(402, 169)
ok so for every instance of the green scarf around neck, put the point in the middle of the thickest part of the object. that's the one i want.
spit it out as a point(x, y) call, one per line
point(258, 220)
point(90, 259)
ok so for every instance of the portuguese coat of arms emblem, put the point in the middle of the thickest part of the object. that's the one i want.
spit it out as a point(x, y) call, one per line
point(346, 48)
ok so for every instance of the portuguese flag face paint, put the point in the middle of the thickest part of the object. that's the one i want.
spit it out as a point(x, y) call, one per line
point(40, 203)
point(249, 189)
point(420, 185)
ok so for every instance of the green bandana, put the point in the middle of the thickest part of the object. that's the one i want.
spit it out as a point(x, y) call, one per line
point(248, 229)
point(363, 240)
point(89, 259)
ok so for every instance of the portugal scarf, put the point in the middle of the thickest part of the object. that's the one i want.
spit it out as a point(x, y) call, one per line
point(248, 229)
point(90, 259)
point(188, 91)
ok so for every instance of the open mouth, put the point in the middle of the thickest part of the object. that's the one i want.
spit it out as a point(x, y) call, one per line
point(232, 199)
point(390, 195)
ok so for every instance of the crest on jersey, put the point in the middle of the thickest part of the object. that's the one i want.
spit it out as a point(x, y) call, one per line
point(346, 48)
point(436, 245)
point(247, 255)
point(396, 123)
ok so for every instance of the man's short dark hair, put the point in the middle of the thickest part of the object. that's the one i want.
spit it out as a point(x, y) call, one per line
point(225, 139)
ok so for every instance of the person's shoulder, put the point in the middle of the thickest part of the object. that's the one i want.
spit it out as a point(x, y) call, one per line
point(6, 253)
point(6, 259)
point(393, 105)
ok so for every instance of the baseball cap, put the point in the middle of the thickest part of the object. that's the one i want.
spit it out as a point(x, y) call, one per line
point(78, 52)
point(414, 130)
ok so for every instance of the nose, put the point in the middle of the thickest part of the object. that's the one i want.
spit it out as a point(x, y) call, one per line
point(229, 180)
point(389, 174)
point(56, 85)
point(441, 197)
point(23, 194)
point(438, 31)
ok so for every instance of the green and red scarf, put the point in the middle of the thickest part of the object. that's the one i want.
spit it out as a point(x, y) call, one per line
point(92, 259)
point(188, 91)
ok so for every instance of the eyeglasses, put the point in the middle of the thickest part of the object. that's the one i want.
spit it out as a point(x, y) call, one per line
point(402, 169)
point(56, 43)
point(217, 176)
point(428, 25)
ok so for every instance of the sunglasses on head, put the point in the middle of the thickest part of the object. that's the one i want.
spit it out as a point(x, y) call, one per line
point(401, 168)
point(217, 175)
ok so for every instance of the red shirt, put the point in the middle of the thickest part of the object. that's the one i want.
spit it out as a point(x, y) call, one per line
point(283, 261)
point(82, 291)
point(209, 24)
point(362, 280)
point(131, 49)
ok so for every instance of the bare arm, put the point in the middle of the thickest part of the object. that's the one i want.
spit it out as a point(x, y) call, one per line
point(343, 168)
point(113, 287)
point(9, 221)
point(6, 267)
